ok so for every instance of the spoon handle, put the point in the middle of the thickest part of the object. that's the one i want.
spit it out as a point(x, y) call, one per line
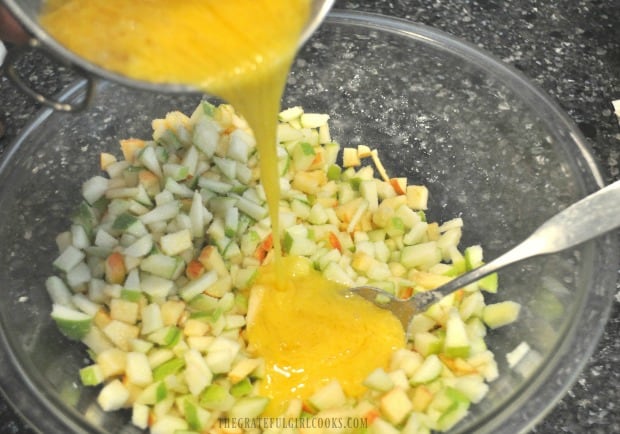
point(586, 219)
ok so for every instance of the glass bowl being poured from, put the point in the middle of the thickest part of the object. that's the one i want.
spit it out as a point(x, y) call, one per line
point(491, 148)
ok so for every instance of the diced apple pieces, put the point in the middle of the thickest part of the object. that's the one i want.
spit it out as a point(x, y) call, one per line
point(417, 197)
point(115, 271)
point(242, 369)
point(161, 314)
point(69, 258)
point(91, 375)
point(350, 157)
point(379, 380)
point(174, 243)
point(313, 120)
point(472, 386)
point(501, 314)
point(197, 372)
point(217, 397)
point(427, 343)
point(140, 415)
point(199, 285)
point(123, 310)
point(406, 360)
point(456, 343)
point(381, 426)
point(71, 322)
point(171, 311)
point(290, 114)
point(329, 396)
point(168, 424)
point(151, 319)
point(113, 396)
point(248, 407)
point(515, 356)
point(211, 259)
point(428, 371)
point(121, 333)
point(454, 413)
point(396, 406)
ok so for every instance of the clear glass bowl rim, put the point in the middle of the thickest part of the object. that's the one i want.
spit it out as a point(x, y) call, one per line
point(522, 413)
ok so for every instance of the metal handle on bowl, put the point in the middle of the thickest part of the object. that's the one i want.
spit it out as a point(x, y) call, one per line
point(15, 53)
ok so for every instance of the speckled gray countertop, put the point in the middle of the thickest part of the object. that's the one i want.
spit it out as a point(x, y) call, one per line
point(571, 49)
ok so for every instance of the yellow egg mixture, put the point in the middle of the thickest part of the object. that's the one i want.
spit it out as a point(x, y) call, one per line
point(241, 51)
point(309, 333)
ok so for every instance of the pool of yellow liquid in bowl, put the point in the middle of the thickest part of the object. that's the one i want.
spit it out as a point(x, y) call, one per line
point(241, 51)
point(309, 333)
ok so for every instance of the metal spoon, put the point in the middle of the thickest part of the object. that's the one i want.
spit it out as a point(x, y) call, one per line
point(586, 219)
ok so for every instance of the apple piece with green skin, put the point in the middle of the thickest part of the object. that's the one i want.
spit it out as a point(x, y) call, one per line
point(501, 314)
point(152, 394)
point(167, 336)
point(456, 411)
point(71, 322)
point(217, 397)
point(427, 343)
point(456, 343)
point(429, 370)
point(473, 257)
point(69, 258)
point(242, 388)
point(472, 386)
point(196, 416)
point(91, 375)
point(198, 286)
point(168, 267)
point(170, 367)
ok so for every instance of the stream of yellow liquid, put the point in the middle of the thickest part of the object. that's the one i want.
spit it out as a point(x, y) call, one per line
point(241, 51)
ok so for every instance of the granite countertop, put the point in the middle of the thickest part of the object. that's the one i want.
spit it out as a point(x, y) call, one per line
point(571, 49)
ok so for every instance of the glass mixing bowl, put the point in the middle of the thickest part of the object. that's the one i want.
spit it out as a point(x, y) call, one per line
point(490, 147)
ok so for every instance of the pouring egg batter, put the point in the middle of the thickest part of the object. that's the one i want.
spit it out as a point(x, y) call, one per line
point(308, 333)
point(241, 50)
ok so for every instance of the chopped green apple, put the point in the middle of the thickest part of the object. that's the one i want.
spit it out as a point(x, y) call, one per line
point(91, 375)
point(329, 396)
point(395, 405)
point(249, 406)
point(379, 380)
point(428, 371)
point(456, 342)
point(501, 314)
point(113, 396)
point(72, 323)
